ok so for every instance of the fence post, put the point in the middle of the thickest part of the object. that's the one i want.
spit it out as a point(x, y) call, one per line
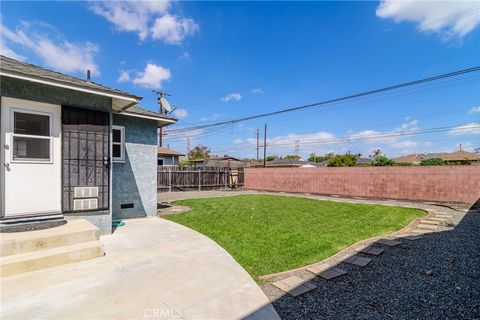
point(200, 180)
point(170, 179)
point(226, 178)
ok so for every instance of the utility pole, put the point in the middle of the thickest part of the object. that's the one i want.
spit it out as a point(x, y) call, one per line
point(297, 147)
point(258, 136)
point(159, 101)
point(265, 147)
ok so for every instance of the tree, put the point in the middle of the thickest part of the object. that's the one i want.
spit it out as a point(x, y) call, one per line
point(343, 160)
point(381, 161)
point(199, 152)
point(432, 162)
point(314, 158)
point(185, 163)
point(292, 156)
point(271, 158)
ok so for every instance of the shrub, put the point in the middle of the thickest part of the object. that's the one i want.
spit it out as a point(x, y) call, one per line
point(381, 161)
point(432, 162)
point(402, 164)
point(342, 160)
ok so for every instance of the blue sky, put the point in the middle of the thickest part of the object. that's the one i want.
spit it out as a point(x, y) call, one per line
point(224, 60)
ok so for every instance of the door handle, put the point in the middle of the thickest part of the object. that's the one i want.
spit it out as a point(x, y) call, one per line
point(7, 166)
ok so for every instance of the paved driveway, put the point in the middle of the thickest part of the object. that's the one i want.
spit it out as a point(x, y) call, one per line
point(153, 269)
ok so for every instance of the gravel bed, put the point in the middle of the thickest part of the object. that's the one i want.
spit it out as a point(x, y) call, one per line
point(436, 277)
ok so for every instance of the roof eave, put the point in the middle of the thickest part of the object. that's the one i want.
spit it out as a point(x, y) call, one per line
point(161, 121)
point(119, 101)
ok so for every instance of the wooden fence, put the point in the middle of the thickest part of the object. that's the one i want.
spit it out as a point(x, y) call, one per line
point(173, 178)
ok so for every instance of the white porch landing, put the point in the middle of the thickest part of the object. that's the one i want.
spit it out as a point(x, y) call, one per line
point(74, 241)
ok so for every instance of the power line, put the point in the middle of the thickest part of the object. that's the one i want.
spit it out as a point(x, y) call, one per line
point(344, 98)
point(180, 136)
point(453, 128)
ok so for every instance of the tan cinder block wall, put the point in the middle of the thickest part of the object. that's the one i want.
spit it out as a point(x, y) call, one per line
point(459, 184)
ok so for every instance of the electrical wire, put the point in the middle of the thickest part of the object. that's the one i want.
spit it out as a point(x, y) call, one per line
point(344, 98)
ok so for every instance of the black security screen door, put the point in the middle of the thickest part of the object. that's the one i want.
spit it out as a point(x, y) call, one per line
point(85, 158)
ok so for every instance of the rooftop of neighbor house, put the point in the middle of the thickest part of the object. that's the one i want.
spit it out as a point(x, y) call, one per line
point(168, 152)
point(459, 155)
point(286, 162)
point(216, 158)
point(9, 66)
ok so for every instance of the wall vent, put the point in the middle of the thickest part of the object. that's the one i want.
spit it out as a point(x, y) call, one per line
point(85, 204)
point(126, 205)
point(86, 192)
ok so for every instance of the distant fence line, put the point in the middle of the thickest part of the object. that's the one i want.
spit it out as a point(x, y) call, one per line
point(459, 184)
point(174, 178)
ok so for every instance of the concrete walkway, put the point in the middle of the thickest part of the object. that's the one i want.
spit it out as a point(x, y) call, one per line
point(153, 269)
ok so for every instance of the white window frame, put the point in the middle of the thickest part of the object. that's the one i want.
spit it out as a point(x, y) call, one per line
point(121, 144)
point(13, 135)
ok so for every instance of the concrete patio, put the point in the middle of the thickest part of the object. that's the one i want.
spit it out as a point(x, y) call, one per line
point(153, 269)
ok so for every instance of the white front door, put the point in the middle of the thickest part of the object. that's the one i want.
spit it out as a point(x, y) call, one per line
point(31, 157)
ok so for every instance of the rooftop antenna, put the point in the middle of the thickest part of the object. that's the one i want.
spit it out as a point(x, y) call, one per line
point(162, 104)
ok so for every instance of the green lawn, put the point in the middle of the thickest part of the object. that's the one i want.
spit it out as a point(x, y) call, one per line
point(268, 234)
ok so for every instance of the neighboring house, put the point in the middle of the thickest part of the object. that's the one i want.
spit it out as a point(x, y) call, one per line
point(167, 157)
point(457, 157)
point(287, 163)
point(462, 157)
point(220, 162)
point(72, 148)
point(410, 158)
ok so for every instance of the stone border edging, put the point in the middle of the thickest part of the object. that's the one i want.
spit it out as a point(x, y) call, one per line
point(354, 246)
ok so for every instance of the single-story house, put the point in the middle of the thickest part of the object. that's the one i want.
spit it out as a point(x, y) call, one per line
point(168, 157)
point(457, 157)
point(72, 148)
point(220, 162)
point(462, 157)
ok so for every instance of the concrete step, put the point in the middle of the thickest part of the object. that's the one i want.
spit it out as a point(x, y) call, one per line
point(20, 263)
point(436, 219)
point(443, 215)
point(427, 226)
point(432, 222)
point(73, 232)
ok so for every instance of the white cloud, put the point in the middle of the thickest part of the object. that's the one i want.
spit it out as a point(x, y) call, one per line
point(146, 18)
point(60, 54)
point(124, 76)
point(371, 137)
point(180, 113)
point(470, 128)
point(172, 29)
point(409, 125)
point(474, 110)
point(238, 141)
point(185, 57)
point(257, 91)
point(233, 96)
point(451, 18)
point(153, 76)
